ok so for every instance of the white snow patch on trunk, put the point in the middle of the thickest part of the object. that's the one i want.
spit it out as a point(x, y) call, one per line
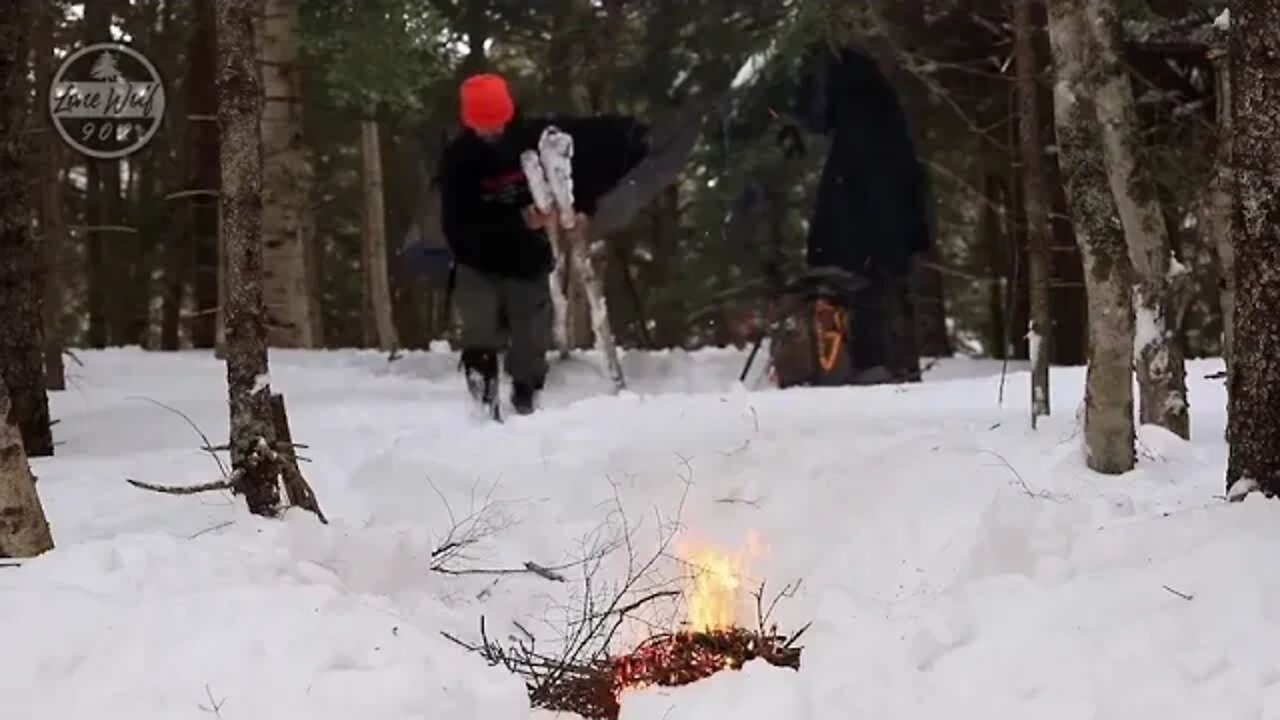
point(753, 67)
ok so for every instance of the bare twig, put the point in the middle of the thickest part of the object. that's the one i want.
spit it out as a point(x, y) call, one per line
point(1021, 481)
point(215, 706)
point(214, 528)
point(1182, 595)
point(208, 445)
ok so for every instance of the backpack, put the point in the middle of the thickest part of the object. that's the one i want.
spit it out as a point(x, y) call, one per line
point(811, 330)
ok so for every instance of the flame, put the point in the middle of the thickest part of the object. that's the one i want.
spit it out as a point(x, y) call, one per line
point(713, 593)
point(717, 586)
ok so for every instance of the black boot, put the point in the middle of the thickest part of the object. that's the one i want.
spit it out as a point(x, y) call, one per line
point(481, 369)
point(522, 397)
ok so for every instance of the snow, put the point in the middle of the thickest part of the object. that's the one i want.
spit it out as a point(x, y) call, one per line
point(953, 562)
point(751, 70)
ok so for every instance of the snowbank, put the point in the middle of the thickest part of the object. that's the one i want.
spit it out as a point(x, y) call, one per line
point(953, 562)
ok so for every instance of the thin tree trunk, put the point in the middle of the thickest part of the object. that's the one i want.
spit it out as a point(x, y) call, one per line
point(1254, 415)
point(21, 339)
point(1157, 300)
point(1036, 201)
point(203, 175)
point(375, 238)
point(1108, 417)
point(1217, 205)
point(53, 226)
point(24, 531)
point(992, 235)
point(286, 183)
point(256, 471)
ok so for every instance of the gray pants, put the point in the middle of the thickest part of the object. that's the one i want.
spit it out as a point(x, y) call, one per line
point(496, 309)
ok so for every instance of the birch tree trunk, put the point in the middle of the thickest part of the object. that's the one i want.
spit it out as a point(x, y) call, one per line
point(286, 183)
point(1108, 412)
point(53, 226)
point(24, 531)
point(598, 308)
point(1254, 415)
point(21, 339)
point(374, 236)
point(1036, 200)
point(560, 288)
point(1161, 370)
point(255, 476)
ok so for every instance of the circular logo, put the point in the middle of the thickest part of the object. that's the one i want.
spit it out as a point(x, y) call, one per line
point(106, 100)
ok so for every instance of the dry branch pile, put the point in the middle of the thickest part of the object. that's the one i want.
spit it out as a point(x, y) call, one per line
point(592, 689)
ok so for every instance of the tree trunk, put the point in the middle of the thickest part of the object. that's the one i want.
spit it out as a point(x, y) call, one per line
point(993, 237)
point(1108, 417)
point(1036, 202)
point(97, 19)
point(286, 183)
point(374, 237)
point(24, 531)
point(1162, 381)
point(1217, 205)
point(21, 339)
point(53, 225)
point(253, 458)
point(1254, 415)
point(203, 174)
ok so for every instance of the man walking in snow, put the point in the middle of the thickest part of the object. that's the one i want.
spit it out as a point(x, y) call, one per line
point(503, 257)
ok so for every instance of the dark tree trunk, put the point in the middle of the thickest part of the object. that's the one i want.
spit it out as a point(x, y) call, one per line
point(1035, 201)
point(202, 146)
point(248, 383)
point(21, 339)
point(1254, 415)
point(53, 226)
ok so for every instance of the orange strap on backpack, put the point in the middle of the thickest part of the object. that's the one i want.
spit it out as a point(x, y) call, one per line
point(829, 327)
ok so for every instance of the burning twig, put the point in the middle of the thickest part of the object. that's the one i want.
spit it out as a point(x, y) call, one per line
point(586, 676)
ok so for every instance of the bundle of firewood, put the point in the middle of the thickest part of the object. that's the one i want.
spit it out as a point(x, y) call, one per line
point(592, 689)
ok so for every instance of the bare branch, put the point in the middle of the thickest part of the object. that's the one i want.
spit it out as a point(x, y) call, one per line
point(181, 489)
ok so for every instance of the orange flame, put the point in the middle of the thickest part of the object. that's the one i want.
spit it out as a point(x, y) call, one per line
point(715, 590)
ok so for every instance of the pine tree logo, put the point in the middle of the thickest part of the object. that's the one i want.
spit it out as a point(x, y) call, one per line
point(107, 100)
point(105, 68)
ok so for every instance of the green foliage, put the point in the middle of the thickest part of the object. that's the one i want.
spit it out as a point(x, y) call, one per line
point(374, 58)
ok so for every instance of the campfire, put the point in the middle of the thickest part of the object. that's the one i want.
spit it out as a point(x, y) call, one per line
point(712, 637)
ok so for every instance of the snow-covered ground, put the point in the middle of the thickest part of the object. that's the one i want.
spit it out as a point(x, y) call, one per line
point(954, 563)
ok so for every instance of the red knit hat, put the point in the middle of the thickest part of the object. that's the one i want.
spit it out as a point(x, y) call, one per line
point(486, 102)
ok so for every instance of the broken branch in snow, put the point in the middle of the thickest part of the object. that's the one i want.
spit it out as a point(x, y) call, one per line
point(1021, 481)
point(296, 487)
point(181, 489)
point(1182, 595)
point(529, 568)
point(210, 529)
point(208, 445)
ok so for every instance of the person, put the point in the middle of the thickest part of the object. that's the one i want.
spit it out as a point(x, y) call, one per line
point(498, 239)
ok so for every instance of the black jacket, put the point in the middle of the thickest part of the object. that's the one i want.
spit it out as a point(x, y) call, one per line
point(872, 210)
point(483, 188)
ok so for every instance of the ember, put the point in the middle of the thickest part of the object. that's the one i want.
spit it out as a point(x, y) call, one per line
point(591, 683)
point(687, 657)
